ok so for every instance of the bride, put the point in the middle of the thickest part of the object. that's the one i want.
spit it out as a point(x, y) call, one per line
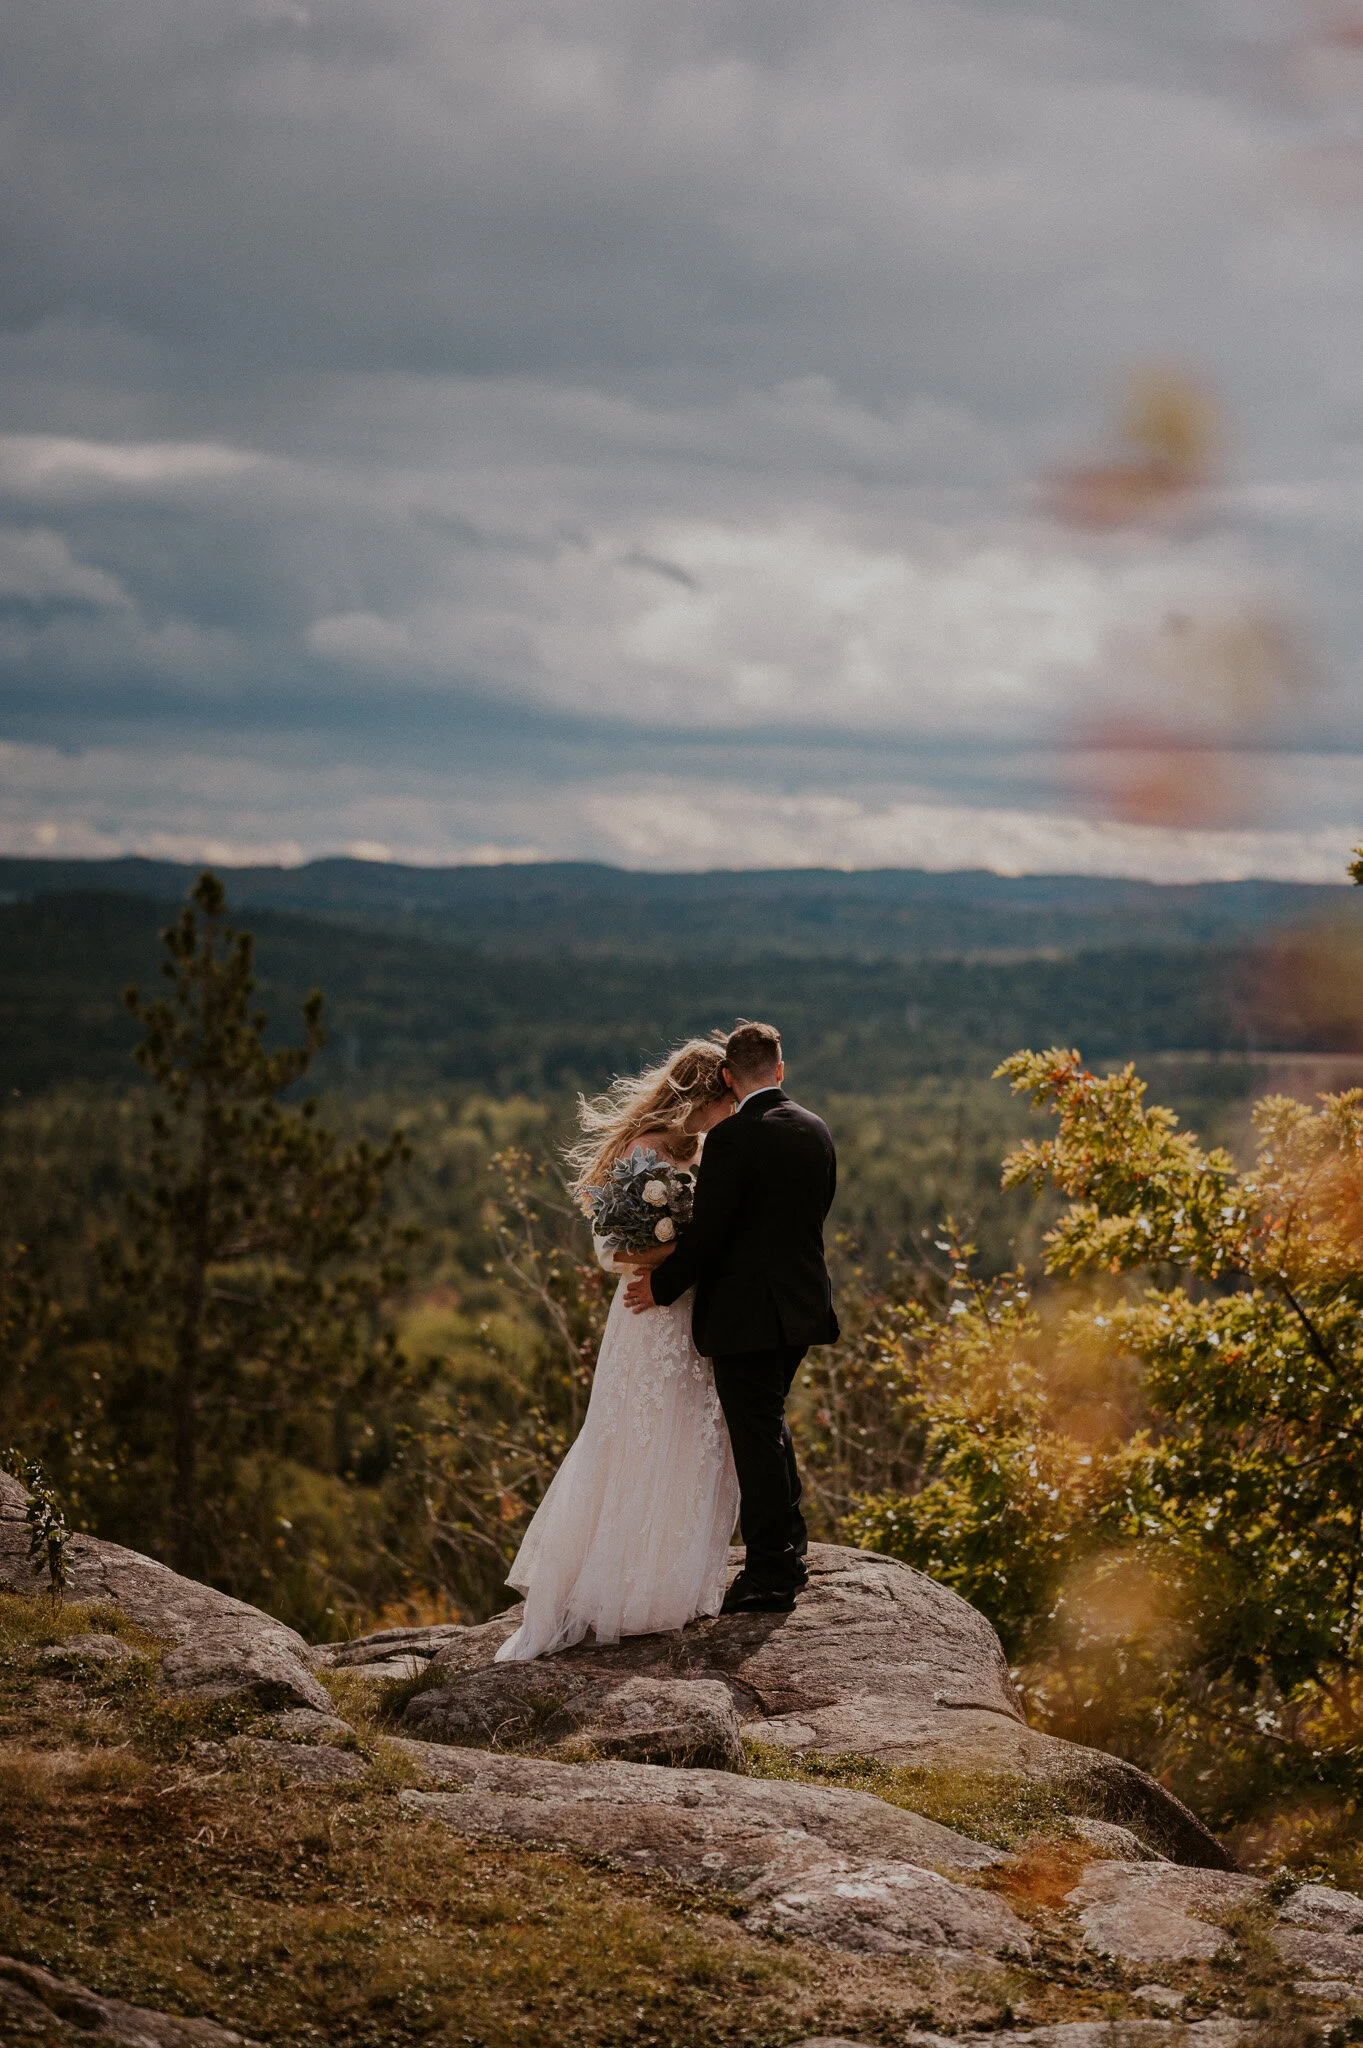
point(633, 1533)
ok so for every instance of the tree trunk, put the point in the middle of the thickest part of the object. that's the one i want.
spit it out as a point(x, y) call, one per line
point(186, 1415)
point(189, 1356)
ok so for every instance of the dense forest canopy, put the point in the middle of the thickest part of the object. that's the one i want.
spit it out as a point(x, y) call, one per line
point(575, 907)
point(422, 1010)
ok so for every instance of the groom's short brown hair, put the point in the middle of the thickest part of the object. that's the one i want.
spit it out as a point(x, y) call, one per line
point(751, 1050)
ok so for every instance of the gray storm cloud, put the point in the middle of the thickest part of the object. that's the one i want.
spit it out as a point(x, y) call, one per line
point(456, 427)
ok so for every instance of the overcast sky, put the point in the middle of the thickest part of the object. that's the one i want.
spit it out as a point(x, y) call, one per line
point(619, 428)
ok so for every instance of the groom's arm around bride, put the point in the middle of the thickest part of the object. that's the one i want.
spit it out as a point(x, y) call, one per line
point(754, 1253)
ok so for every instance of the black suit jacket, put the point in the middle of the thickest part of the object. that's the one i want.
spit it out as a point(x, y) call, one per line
point(754, 1247)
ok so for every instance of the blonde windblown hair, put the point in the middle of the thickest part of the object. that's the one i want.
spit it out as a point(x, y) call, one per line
point(655, 1103)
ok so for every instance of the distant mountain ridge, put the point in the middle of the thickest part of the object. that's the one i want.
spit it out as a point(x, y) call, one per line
point(410, 1009)
point(596, 911)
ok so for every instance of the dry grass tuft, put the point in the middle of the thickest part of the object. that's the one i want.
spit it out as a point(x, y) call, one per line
point(1040, 1874)
point(1005, 1811)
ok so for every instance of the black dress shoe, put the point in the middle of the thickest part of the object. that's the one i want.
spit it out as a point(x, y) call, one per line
point(741, 1599)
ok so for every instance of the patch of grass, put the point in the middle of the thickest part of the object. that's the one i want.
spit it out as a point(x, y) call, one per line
point(1283, 2024)
point(374, 1707)
point(293, 1915)
point(301, 1914)
point(33, 1622)
point(1251, 1950)
point(169, 1728)
point(390, 1770)
point(1004, 1811)
point(33, 1778)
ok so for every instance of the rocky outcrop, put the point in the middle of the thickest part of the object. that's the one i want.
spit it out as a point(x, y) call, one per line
point(305, 1724)
point(1160, 1915)
point(887, 1909)
point(875, 1659)
point(1155, 1913)
point(568, 1710)
point(843, 1868)
point(306, 1763)
point(1216, 2033)
point(35, 1995)
point(1320, 1932)
point(1110, 1840)
point(218, 1646)
point(77, 1653)
point(387, 1646)
point(688, 1806)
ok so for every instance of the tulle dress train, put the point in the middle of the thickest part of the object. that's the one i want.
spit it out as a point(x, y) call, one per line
point(633, 1533)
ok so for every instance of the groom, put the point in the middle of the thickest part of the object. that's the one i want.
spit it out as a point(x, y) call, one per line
point(754, 1253)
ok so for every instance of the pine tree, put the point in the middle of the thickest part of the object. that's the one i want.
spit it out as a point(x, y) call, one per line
point(261, 1253)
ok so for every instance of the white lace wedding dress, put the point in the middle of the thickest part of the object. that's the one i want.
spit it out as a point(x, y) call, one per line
point(632, 1536)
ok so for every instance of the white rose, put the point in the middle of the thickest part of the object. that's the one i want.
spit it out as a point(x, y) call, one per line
point(655, 1191)
point(664, 1230)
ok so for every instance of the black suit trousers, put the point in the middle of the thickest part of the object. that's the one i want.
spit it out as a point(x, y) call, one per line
point(752, 1388)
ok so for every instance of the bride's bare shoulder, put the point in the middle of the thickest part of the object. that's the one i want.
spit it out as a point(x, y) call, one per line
point(664, 1142)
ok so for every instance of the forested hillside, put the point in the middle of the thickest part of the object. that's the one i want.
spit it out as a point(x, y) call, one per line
point(416, 1011)
point(575, 907)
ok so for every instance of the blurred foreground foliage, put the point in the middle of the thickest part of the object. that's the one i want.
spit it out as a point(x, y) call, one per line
point(1146, 1470)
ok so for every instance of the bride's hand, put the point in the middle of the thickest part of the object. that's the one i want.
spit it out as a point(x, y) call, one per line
point(644, 1262)
point(639, 1293)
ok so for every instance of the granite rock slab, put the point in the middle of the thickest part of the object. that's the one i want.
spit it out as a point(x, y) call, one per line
point(39, 1997)
point(876, 1659)
point(1157, 1913)
point(564, 1708)
point(218, 1647)
point(843, 1868)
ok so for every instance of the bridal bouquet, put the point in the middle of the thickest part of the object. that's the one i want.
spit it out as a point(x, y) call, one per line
point(643, 1204)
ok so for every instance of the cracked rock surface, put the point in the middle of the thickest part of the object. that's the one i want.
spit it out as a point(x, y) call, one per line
point(219, 1646)
point(1217, 2033)
point(843, 1868)
point(877, 1659)
point(563, 1707)
point(674, 1819)
point(306, 1762)
point(886, 1909)
point(38, 1997)
point(1157, 1913)
point(74, 1651)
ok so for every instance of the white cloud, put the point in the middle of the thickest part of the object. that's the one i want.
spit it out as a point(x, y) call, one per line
point(37, 567)
point(650, 364)
point(235, 810)
point(665, 828)
point(56, 466)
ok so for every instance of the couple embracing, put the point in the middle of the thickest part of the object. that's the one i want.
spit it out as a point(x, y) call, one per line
point(686, 1429)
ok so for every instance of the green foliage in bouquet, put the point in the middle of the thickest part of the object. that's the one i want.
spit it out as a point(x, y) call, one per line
point(643, 1203)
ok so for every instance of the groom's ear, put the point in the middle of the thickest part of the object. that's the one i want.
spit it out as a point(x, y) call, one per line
point(728, 1080)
